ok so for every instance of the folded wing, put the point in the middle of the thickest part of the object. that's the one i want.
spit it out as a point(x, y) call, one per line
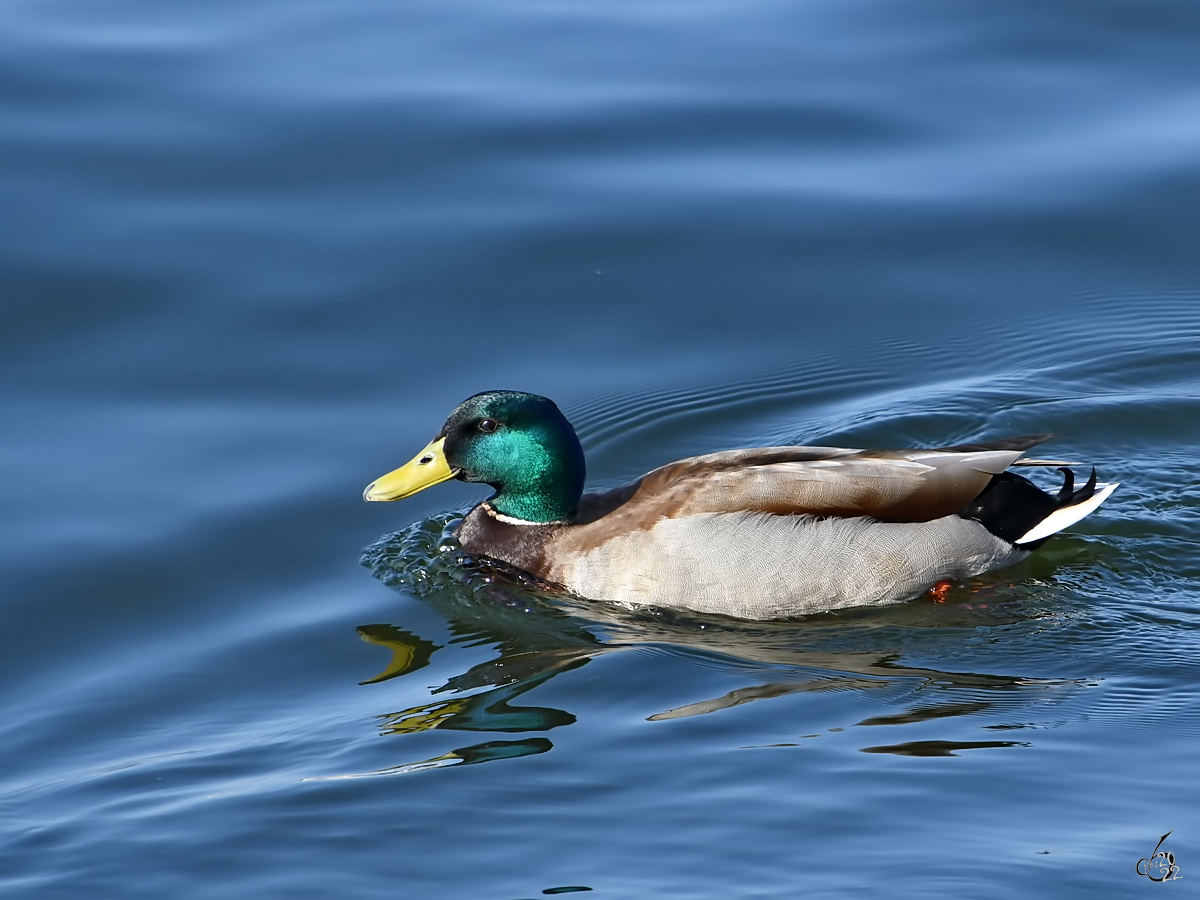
point(890, 485)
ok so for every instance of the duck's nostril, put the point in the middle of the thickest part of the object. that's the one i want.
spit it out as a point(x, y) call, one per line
point(426, 459)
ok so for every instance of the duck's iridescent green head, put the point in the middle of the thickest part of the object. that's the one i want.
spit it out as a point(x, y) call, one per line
point(520, 444)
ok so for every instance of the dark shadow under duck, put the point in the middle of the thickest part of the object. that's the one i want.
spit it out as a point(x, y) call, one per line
point(760, 534)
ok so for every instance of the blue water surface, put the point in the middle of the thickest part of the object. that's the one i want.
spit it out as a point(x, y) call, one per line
point(251, 255)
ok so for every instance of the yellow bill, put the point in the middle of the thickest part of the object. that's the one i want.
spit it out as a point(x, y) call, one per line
point(427, 468)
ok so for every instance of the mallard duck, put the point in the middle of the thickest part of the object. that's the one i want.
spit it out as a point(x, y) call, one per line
point(766, 533)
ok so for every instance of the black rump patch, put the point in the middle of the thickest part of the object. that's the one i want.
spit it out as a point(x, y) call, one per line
point(1011, 505)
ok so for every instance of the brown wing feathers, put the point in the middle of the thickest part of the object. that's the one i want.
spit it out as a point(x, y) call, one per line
point(891, 485)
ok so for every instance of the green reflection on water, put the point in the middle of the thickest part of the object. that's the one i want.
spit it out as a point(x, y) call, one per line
point(486, 711)
point(409, 651)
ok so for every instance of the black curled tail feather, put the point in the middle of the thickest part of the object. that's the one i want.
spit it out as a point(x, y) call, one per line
point(1068, 496)
point(1010, 506)
point(1068, 486)
point(1085, 492)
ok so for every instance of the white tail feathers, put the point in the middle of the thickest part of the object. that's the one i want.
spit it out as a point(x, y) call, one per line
point(1068, 515)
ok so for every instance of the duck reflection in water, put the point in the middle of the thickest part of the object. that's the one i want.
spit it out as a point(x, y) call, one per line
point(529, 656)
point(539, 635)
point(485, 711)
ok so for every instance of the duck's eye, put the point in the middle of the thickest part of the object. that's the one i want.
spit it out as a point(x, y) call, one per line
point(487, 426)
